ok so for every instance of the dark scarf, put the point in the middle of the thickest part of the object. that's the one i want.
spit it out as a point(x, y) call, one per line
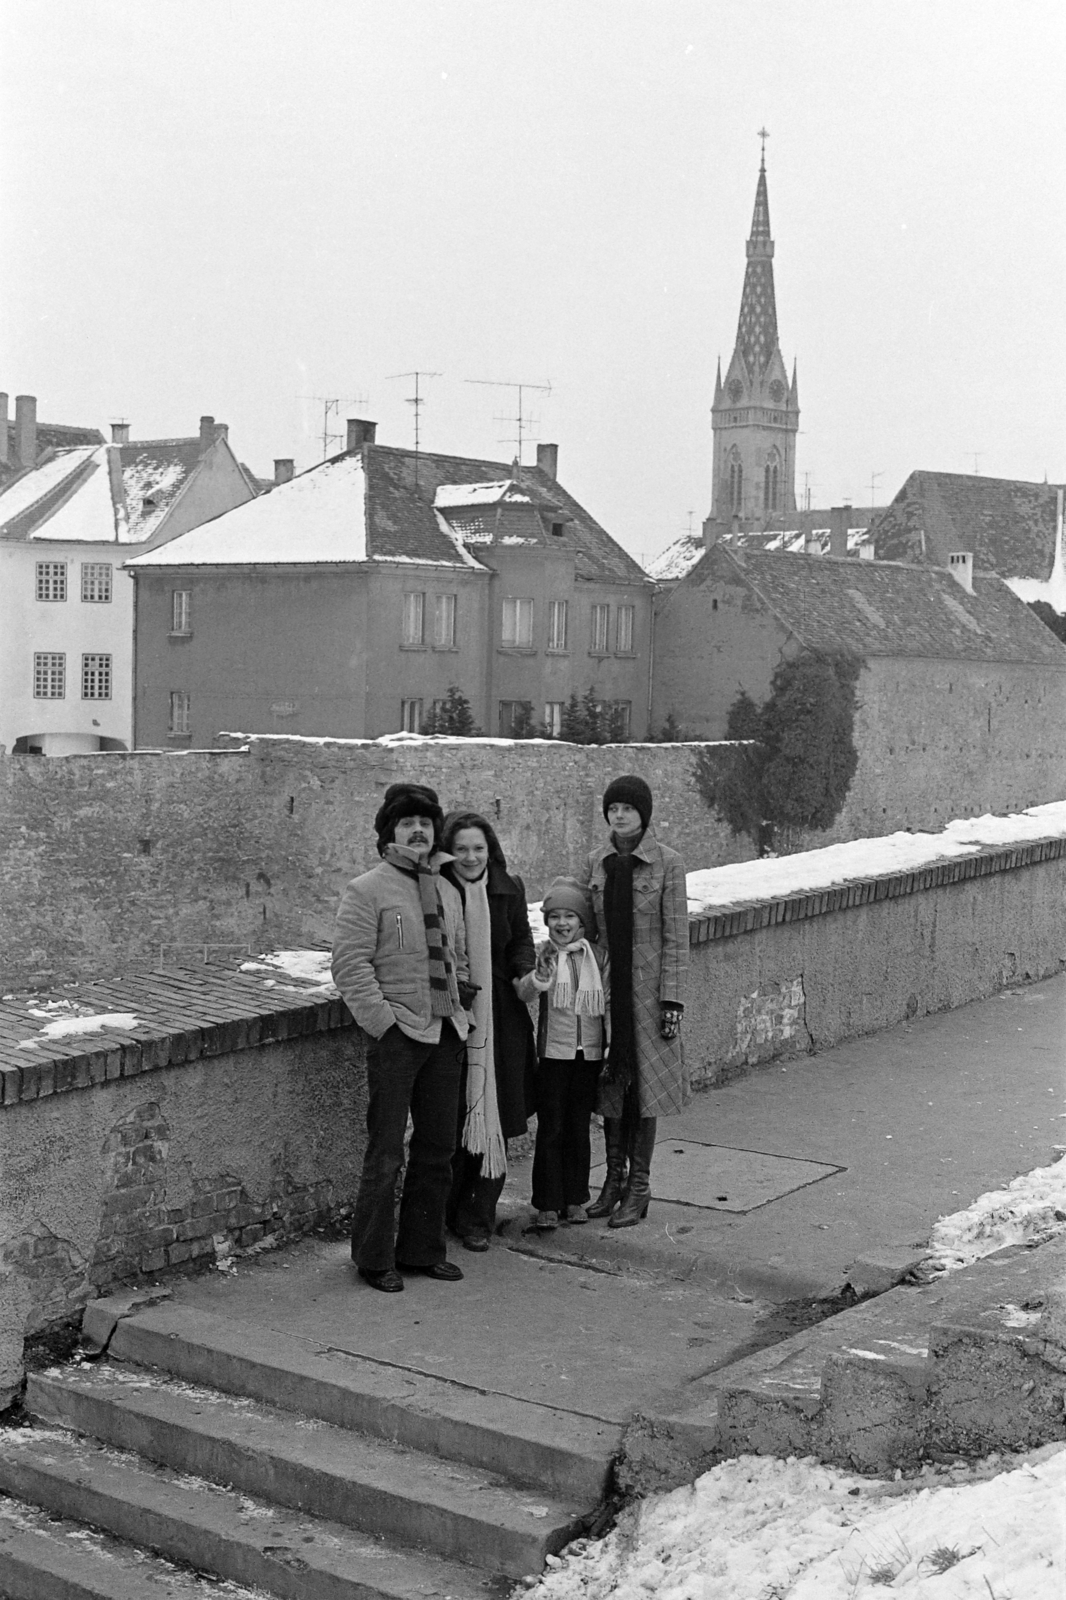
point(443, 987)
point(618, 915)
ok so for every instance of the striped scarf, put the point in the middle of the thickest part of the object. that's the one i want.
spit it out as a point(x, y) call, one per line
point(443, 988)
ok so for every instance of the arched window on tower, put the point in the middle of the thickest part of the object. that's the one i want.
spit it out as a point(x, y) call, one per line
point(766, 503)
point(736, 482)
point(773, 487)
point(771, 482)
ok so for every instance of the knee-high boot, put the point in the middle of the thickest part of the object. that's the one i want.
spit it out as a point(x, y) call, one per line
point(614, 1184)
point(634, 1207)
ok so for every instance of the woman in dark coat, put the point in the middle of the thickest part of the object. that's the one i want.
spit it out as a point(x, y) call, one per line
point(637, 889)
point(497, 1088)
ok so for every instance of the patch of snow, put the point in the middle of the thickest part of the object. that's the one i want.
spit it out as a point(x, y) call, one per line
point(26, 491)
point(89, 516)
point(756, 1527)
point(311, 965)
point(516, 538)
point(677, 559)
point(158, 481)
point(1031, 1208)
point(720, 888)
point(65, 1027)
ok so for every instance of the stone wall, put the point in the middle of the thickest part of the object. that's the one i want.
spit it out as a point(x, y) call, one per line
point(108, 861)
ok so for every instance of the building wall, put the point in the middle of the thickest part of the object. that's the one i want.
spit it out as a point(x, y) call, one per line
point(394, 671)
point(217, 485)
point(74, 627)
point(105, 861)
point(936, 738)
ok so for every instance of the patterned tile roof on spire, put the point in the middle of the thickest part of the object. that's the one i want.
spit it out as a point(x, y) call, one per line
point(757, 329)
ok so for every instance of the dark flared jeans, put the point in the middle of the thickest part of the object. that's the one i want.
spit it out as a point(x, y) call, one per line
point(566, 1099)
point(403, 1075)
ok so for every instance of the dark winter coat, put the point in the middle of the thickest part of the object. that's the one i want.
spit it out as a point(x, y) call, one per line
point(513, 956)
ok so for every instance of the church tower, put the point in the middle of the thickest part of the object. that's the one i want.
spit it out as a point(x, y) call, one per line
point(755, 415)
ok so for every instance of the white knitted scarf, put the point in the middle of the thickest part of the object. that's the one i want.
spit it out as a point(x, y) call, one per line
point(589, 999)
point(482, 1134)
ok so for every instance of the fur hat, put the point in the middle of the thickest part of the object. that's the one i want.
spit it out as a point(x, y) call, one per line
point(566, 894)
point(407, 800)
point(629, 790)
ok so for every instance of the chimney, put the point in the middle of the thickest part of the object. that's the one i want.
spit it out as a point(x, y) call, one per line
point(734, 531)
point(360, 432)
point(960, 565)
point(283, 468)
point(712, 532)
point(867, 552)
point(221, 431)
point(548, 460)
point(207, 434)
point(120, 433)
point(839, 521)
point(4, 455)
point(812, 545)
point(26, 429)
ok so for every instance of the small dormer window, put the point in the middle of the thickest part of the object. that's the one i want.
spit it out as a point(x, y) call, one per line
point(558, 529)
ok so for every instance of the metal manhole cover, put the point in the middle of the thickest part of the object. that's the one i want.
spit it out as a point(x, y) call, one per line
point(718, 1178)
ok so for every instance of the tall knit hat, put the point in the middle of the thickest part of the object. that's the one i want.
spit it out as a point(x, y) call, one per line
point(566, 894)
point(630, 790)
point(407, 800)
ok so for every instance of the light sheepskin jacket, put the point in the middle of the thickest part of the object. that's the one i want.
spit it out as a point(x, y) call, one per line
point(380, 954)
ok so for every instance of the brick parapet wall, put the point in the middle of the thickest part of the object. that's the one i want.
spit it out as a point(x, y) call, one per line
point(750, 916)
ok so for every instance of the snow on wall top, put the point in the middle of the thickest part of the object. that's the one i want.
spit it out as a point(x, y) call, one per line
point(717, 889)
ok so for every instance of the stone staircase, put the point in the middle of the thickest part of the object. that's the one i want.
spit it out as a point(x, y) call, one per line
point(196, 1447)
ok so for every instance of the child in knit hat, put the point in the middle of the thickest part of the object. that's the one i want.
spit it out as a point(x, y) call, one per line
point(569, 977)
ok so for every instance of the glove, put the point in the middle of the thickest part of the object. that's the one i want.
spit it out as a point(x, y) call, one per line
point(467, 991)
point(670, 1019)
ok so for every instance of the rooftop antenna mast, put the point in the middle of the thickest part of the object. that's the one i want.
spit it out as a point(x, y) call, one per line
point(977, 454)
point(873, 486)
point(524, 423)
point(331, 407)
point(806, 491)
point(417, 400)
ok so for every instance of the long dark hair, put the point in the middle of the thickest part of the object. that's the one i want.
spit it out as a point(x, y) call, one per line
point(456, 821)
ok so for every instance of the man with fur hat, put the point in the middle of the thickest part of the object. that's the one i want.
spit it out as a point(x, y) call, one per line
point(399, 960)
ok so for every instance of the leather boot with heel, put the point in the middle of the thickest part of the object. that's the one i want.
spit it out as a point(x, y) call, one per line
point(614, 1183)
point(634, 1207)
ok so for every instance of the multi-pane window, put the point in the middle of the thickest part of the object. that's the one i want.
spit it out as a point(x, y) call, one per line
point(601, 630)
point(96, 581)
point(553, 717)
point(51, 580)
point(557, 621)
point(414, 610)
point(181, 610)
point(96, 677)
point(516, 719)
point(517, 623)
point(624, 631)
point(411, 716)
point(444, 622)
point(180, 710)
point(49, 675)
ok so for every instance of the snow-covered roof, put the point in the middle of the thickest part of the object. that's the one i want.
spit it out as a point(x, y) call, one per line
point(450, 496)
point(677, 559)
point(69, 498)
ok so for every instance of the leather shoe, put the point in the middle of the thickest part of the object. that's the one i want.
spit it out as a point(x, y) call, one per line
point(387, 1279)
point(443, 1271)
point(475, 1241)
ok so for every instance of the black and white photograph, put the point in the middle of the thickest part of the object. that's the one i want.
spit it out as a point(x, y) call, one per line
point(532, 800)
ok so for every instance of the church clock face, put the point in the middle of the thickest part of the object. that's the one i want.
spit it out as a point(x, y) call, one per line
point(777, 391)
point(736, 389)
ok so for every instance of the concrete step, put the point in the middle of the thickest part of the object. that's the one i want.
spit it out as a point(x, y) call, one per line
point(955, 1367)
point(451, 1509)
point(84, 1510)
point(556, 1452)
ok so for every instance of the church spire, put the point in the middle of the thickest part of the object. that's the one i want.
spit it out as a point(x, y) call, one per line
point(757, 328)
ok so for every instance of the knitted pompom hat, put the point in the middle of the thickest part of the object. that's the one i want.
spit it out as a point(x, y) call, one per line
point(566, 894)
point(407, 800)
point(630, 790)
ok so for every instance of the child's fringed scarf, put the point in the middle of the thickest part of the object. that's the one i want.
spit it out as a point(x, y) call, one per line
point(589, 999)
point(443, 987)
point(482, 1134)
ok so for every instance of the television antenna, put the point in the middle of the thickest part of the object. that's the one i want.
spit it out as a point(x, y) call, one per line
point(416, 400)
point(873, 487)
point(523, 422)
point(331, 408)
point(977, 454)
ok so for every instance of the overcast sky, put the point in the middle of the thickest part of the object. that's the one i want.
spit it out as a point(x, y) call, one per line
point(231, 207)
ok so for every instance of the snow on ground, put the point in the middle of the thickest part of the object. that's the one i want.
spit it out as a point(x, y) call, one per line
point(717, 888)
point(1029, 1210)
point(757, 1528)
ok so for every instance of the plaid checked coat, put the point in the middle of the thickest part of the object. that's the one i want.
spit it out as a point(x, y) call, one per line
point(660, 963)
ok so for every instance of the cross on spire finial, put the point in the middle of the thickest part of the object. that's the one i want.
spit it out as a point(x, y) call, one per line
point(763, 135)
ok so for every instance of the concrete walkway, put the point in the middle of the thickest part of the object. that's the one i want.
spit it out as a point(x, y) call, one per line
point(908, 1125)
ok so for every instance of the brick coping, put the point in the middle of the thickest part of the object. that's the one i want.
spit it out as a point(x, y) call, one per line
point(750, 916)
point(183, 1014)
point(187, 1013)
